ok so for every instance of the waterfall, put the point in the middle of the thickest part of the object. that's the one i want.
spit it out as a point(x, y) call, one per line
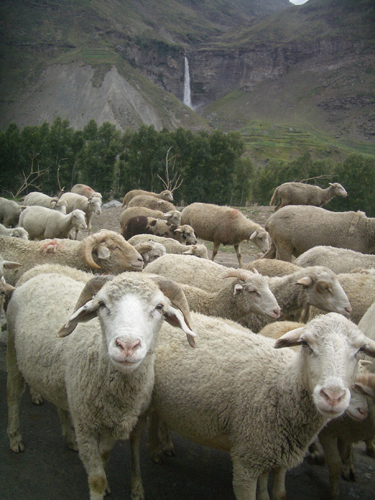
point(187, 92)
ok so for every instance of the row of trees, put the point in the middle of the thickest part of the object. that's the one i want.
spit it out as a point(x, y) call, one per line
point(210, 165)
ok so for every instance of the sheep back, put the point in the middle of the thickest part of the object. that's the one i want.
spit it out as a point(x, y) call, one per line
point(151, 202)
point(221, 224)
point(296, 229)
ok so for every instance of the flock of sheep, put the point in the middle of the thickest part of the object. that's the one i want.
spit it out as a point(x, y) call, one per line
point(274, 360)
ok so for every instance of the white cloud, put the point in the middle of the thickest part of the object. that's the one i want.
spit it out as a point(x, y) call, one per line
point(298, 2)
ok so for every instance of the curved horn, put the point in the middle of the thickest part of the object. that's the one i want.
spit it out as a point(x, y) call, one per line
point(91, 288)
point(88, 245)
point(238, 273)
point(175, 294)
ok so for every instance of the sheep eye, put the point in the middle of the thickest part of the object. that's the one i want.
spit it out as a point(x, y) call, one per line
point(159, 307)
point(362, 349)
point(304, 343)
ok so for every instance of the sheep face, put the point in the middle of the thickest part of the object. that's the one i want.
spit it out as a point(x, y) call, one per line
point(330, 360)
point(95, 205)
point(131, 312)
point(167, 195)
point(79, 219)
point(338, 189)
point(324, 291)
point(261, 239)
point(185, 235)
point(358, 407)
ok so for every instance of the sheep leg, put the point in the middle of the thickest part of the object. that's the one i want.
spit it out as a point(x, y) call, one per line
point(88, 446)
point(346, 453)
point(15, 388)
point(153, 443)
point(262, 487)
point(239, 256)
point(370, 448)
point(278, 483)
point(284, 252)
point(67, 429)
point(136, 485)
point(165, 439)
point(36, 398)
point(244, 485)
point(271, 252)
point(333, 461)
point(215, 250)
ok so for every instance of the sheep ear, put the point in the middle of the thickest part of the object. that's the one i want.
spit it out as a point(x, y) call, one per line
point(83, 314)
point(103, 252)
point(178, 230)
point(7, 264)
point(175, 318)
point(252, 236)
point(189, 251)
point(364, 389)
point(306, 281)
point(237, 289)
point(289, 339)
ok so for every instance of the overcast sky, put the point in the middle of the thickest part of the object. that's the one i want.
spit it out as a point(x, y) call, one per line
point(298, 2)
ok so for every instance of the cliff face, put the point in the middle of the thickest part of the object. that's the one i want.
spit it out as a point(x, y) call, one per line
point(123, 61)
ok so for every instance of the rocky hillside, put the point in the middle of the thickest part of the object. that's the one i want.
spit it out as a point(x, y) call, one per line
point(310, 66)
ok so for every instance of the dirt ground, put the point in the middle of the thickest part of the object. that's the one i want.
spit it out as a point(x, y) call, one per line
point(48, 470)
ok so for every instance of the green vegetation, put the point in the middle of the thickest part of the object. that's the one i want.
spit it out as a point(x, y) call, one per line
point(212, 166)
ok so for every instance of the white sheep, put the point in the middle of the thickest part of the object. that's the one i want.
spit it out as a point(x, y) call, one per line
point(35, 198)
point(9, 212)
point(144, 200)
point(150, 251)
point(338, 436)
point(360, 290)
point(14, 232)
point(296, 229)
point(340, 260)
point(101, 376)
point(263, 405)
point(171, 245)
point(224, 225)
point(42, 223)
point(298, 193)
point(102, 252)
point(90, 206)
point(242, 292)
point(318, 286)
point(174, 216)
point(275, 267)
point(164, 195)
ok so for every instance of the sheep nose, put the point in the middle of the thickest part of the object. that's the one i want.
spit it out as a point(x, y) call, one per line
point(348, 309)
point(127, 347)
point(333, 396)
point(277, 312)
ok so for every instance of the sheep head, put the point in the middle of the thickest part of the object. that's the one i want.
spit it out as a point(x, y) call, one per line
point(110, 245)
point(332, 347)
point(133, 298)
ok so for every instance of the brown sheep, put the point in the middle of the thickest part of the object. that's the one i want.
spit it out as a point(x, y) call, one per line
point(224, 225)
point(174, 217)
point(164, 195)
point(144, 200)
point(148, 225)
point(298, 193)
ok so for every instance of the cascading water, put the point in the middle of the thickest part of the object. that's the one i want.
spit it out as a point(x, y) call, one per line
point(187, 92)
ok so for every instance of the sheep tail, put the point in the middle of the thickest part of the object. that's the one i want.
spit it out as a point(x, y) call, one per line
point(274, 196)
